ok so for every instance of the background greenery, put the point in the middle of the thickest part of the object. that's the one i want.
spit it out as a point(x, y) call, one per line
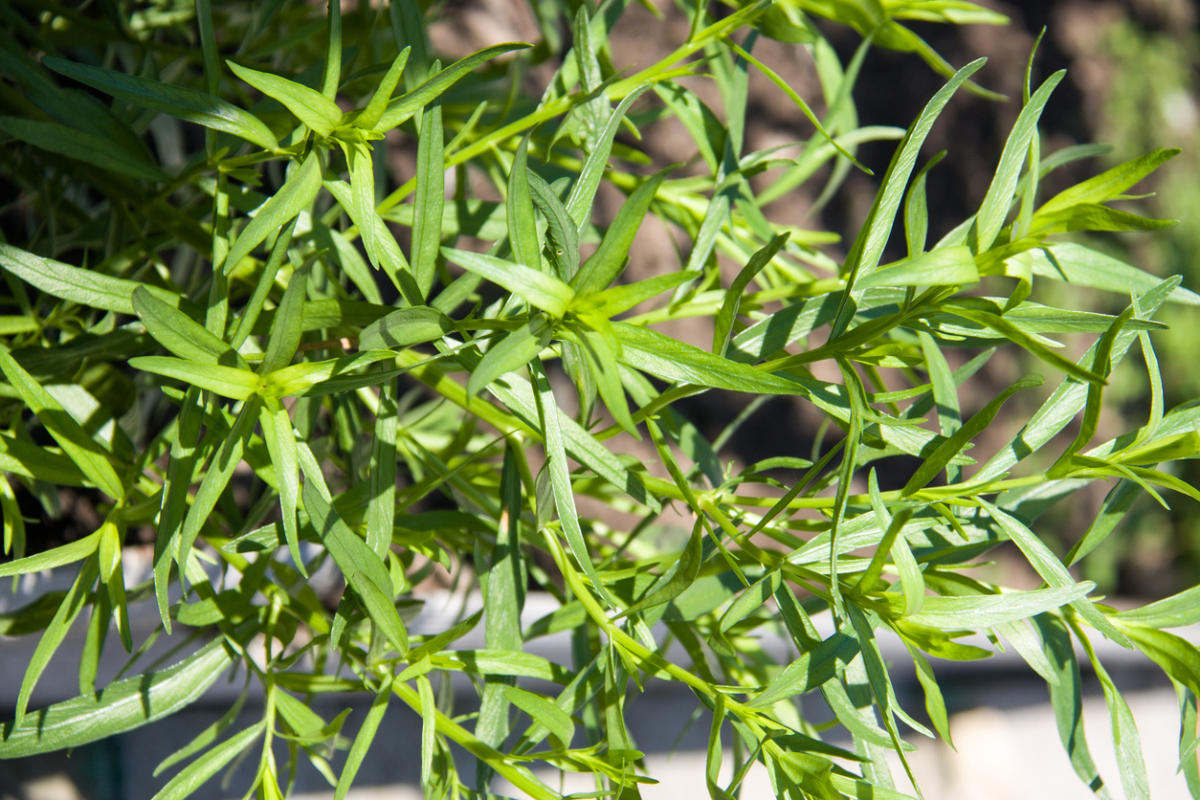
point(288, 296)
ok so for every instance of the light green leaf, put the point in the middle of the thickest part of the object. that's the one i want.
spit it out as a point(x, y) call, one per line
point(296, 195)
point(369, 117)
point(179, 333)
point(362, 740)
point(1109, 185)
point(1176, 611)
point(672, 360)
point(194, 775)
point(966, 612)
point(403, 107)
point(604, 265)
point(429, 201)
point(232, 382)
point(998, 200)
point(1075, 263)
point(308, 105)
point(536, 288)
point(122, 705)
point(404, 328)
point(543, 711)
point(510, 353)
point(75, 441)
point(522, 226)
point(945, 266)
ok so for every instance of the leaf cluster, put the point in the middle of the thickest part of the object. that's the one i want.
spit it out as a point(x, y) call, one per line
point(230, 328)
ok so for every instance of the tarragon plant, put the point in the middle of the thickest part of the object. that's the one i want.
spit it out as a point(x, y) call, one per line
point(240, 329)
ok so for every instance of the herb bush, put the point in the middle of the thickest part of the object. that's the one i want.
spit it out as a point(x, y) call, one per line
point(233, 336)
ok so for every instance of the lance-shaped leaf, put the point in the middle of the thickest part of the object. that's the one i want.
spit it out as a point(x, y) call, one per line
point(1109, 185)
point(430, 200)
point(277, 430)
point(996, 203)
point(286, 325)
point(75, 284)
point(672, 360)
point(511, 352)
point(604, 265)
point(536, 288)
point(404, 328)
point(197, 773)
point(945, 266)
point(308, 105)
point(403, 107)
point(179, 333)
point(122, 705)
point(178, 101)
point(296, 195)
point(362, 568)
point(583, 190)
point(940, 456)
point(232, 382)
point(75, 441)
point(369, 117)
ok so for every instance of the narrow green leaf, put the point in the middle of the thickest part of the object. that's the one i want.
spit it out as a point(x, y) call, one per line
point(83, 286)
point(296, 195)
point(542, 711)
point(1176, 611)
point(122, 706)
point(309, 106)
point(510, 353)
point(369, 117)
point(403, 107)
point(966, 612)
point(604, 265)
point(404, 328)
point(1109, 185)
point(1066, 698)
point(228, 454)
point(364, 571)
point(561, 232)
point(381, 505)
point(430, 198)
point(75, 441)
point(194, 775)
point(560, 478)
point(55, 633)
point(536, 288)
point(286, 325)
point(998, 200)
point(868, 246)
point(1052, 571)
point(277, 431)
point(232, 382)
point(179, 333)
point(678, 362)
point(1075, 263)
point(583, 190)
point(723, 326)
point(363, 739)
point(812, 669)
point(522, 227)
point(940, 456)
point(945, 266)
point(177, 101)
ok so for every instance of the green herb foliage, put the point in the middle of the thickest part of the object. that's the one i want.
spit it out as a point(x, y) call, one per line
point(241, 339)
